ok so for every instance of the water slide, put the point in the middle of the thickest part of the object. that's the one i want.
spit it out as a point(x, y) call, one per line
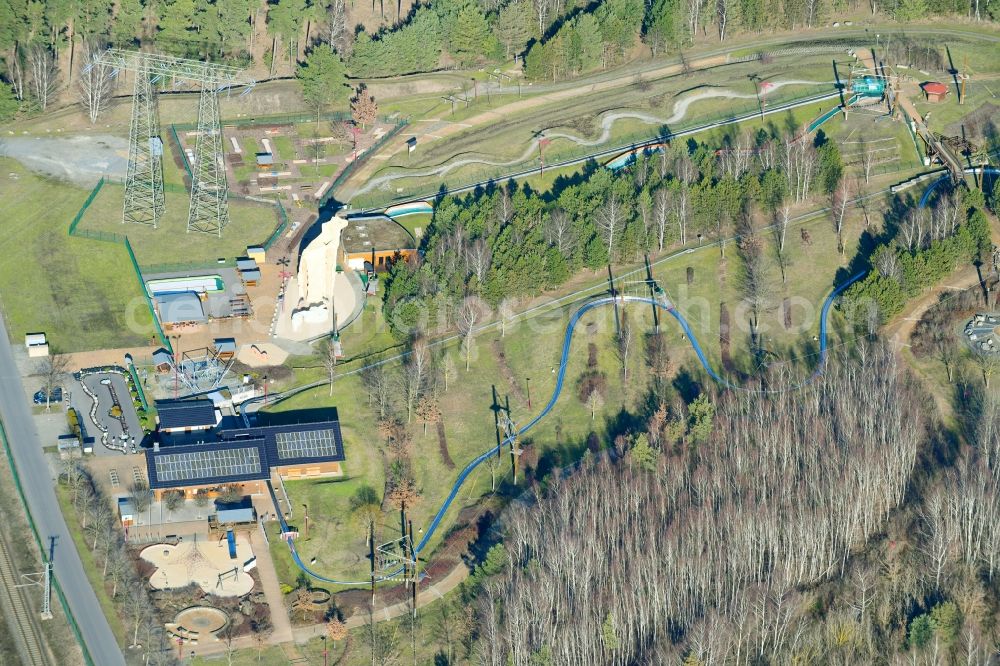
point(814, 125)
point(560, 381)
point(231, 538)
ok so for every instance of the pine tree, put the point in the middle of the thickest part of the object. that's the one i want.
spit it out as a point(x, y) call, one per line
point(323, 78)
point(8, 102)
point(514, 26)
point(127, 23)
point(470, 37)
point(660, 26)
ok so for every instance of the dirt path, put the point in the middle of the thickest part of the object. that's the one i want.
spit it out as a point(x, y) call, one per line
point(502, 113)
point(425, 595)
point(272, 589)
point(608, 121)
point(900, 330)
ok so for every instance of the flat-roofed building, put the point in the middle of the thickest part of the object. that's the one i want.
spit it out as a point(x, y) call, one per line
point(376, 240)
point(180, 416)
point(248, 457)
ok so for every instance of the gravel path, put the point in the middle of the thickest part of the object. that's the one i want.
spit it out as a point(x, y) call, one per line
point(81, 159)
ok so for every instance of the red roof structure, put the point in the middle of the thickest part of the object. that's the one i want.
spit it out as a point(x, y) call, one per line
point(935, 91)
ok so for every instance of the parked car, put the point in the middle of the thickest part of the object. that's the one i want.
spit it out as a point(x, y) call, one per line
point(55, 396)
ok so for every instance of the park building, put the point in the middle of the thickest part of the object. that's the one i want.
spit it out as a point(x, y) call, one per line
point(239, 469)
point(373, 243)
point(299, 445)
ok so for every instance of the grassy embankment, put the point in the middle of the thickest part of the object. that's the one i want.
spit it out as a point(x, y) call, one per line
point(82, 293)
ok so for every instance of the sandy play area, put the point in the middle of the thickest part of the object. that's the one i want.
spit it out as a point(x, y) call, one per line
point(261, 354)
point(201, 562)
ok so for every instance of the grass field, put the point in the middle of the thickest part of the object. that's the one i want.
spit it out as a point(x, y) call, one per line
point(250, 223)
point(82, 293)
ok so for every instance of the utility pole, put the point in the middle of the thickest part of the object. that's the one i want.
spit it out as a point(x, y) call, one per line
point(208, 211)
point(614, 300)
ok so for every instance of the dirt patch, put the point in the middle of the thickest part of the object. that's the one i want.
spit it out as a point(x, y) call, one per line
point(507, 373)
point(443, 446)
point(724, 338)
point(786, 308)
point(79, 159)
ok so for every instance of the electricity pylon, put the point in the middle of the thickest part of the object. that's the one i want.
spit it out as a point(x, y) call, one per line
point(144, 202)
point(144, 182)
point(209, 210)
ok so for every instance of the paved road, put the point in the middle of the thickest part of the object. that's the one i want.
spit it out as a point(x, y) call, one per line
point(37, 482)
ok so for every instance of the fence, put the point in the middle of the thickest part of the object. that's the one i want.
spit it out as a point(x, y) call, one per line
point(109, 237)
point(288, 119)
point(361, 159)
point(280, 229)
point(280, 212)
point(38, 541)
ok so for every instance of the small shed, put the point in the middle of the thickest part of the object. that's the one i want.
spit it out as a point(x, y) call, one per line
point(246, 264)
point(935, 91)
point(36, 344)
point(225, 348)
point(68, 447)
point(251, 277)
point(234, 512)
point(265, 160)
point(257, 253)
point(162, 360)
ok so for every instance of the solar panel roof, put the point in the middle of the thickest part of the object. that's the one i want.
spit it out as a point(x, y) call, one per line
point(306, 444)
point(198, 413)
point(208, 463)
point(243, 454)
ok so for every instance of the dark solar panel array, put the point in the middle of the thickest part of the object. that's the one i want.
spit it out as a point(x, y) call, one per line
point(209, 463)
point(306, 444)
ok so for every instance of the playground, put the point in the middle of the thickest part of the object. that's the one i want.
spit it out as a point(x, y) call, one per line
point(216, 566)
point(293, 161)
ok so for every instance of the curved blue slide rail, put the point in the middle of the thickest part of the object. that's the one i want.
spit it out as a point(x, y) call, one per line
point(933, 186)
point(557, 391)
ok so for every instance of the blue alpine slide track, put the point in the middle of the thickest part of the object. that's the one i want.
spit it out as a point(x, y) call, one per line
point(660, 301)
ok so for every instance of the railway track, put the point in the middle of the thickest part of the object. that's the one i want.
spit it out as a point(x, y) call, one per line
point(30, 645)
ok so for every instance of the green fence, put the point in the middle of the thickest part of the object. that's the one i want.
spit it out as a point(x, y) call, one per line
point(108, 237)
point(287, 119)
point(361, 159)
point(41, 548)
point(142, 287)
point(280, 229)
point(86, 205)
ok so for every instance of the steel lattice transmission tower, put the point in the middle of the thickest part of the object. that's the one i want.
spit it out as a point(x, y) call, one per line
point(144, 182)
point(209, 211)
point(144, 201)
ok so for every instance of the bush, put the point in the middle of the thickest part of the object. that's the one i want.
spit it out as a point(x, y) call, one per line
point(592, 382)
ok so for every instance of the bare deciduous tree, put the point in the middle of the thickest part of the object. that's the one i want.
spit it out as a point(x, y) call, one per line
point(328, 357)
point(96, 84)
point(44, 80)
point(468, 315)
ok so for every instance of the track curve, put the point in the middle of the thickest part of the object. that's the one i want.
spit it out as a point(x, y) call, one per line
point(557, 391)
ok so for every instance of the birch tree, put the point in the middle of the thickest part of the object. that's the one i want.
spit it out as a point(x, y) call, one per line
point(96, 84)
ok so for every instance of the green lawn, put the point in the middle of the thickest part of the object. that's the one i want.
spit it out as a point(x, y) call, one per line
point(97, 581)
point(284, 146)
point(249, 223)
point(319, 171)
point(82, 293)
point(414, 222)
